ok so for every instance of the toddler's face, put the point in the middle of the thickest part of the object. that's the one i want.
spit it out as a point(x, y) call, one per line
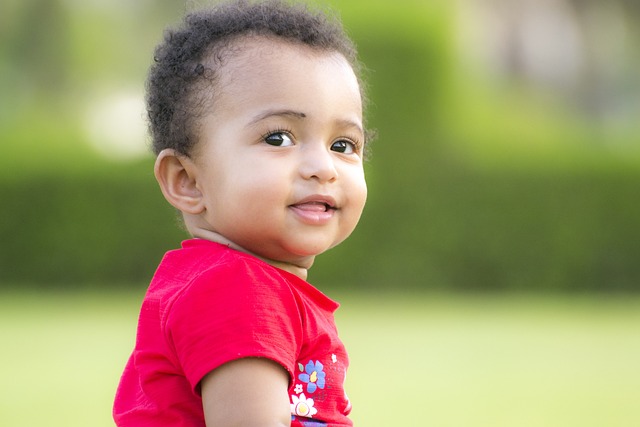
point(280, 154)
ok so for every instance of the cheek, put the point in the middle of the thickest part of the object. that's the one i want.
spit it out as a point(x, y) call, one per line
point(362, 199)
point(360, 185)
point(257, 186)
point(358, 193)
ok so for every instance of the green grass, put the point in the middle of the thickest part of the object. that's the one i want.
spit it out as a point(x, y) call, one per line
point(494, 361)
point(419, 360)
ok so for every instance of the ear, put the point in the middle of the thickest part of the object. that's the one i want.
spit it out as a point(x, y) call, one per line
point(177, 175)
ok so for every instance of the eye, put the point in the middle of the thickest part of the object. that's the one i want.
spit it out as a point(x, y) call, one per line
point(344, 146)
point(278, 139)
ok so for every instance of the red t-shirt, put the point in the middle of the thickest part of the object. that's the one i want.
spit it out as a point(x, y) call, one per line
point(208, 305)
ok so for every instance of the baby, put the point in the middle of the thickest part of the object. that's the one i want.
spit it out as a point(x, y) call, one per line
point(256, 116)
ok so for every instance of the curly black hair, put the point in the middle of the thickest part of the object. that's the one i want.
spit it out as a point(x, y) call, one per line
point(175, 96)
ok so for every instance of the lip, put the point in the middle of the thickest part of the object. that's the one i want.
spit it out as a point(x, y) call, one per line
point(315, 209)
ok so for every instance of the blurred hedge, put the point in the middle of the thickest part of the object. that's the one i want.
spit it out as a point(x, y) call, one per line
point(460, 230)
point(480, 231)
point(84, 230)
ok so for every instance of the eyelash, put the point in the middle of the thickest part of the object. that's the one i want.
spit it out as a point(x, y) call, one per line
point(286, 131)
point(355, 142)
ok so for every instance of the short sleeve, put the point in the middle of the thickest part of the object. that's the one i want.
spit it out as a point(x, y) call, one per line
point(239, 309)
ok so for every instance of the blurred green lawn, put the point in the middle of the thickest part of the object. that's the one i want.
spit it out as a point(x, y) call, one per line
point(417, 360)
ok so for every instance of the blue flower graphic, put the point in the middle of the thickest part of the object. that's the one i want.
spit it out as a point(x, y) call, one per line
point(313, 375)
point(307, 423)
point(313, 423)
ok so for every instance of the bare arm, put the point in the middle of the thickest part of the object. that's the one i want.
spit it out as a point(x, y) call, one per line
point(249, 392)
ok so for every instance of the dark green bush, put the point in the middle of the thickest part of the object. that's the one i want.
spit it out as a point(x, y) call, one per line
point(453, 230)
point(72, 229)
point(498, 231)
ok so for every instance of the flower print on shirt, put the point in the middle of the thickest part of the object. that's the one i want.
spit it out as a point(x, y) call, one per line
point(313, 376)
point(302, 406)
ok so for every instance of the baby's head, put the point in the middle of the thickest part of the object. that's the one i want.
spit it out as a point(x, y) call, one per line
point(256, 117)
point(181, 86)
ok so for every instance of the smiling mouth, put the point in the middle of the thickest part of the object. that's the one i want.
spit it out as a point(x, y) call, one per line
point(314, 207)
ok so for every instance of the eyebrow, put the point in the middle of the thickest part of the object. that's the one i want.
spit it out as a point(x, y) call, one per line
point(300, 115)
point(352, 124)
point(278, 113)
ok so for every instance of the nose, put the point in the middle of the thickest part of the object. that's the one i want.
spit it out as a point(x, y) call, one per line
point(318, 163)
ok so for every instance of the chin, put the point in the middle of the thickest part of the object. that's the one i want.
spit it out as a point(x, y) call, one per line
point(311, 249)
point(297, 252)
point(299, 257)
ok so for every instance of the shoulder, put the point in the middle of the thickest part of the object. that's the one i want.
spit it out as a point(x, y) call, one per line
point(235, 274)
point(230, 284)
point(202, 266)
point(234, 308)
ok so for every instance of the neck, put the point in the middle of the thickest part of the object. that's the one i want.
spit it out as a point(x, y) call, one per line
point(295, 269)
point(298, 269)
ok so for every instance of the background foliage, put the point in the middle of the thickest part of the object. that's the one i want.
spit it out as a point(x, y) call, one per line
point(476, 182)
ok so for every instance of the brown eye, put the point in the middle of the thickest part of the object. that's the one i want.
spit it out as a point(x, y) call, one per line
point(278, 139)
point(342, 146)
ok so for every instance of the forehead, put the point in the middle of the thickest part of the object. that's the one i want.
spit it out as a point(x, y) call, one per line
point(248, 63)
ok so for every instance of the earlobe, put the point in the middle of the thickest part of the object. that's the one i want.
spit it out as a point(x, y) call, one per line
point(176, 175)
